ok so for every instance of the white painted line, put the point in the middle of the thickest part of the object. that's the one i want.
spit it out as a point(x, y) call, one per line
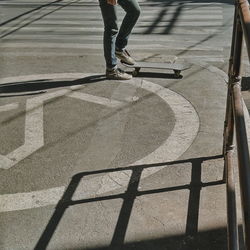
point(96, 99)
point(177, 142)
point(205, 58)
point(34, 137)
point(174, 146)
point(45, 25)
point(139, 38)
point(5, 162)
point(95, 4)
point(100, 46)
point(9, 107)
point(211, 20)
point(21, 201)
point(215, 70)
point(157, 30)
point(81, 3)
point(96, 12)
point(97, 25)
point(81, 17)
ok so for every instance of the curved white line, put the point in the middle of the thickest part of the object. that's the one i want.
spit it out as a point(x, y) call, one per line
point(184, 132)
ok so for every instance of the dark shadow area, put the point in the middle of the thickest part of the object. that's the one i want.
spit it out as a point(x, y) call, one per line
point(231, 2)
point(29, 12)
point(22, 94)
point(245, 83)
point(174, 19)
point(158, 19)
point(176, 242)
point(179, 8)
point(164, 4)
point(29, 18)
point(45, 84)
point(157, 75)
point(216, 239)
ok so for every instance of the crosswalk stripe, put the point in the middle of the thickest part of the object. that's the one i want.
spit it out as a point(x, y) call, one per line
point(144, 10)
point(87, 11)
point(133, 37)
point(97, 39)
point(78, 26)
point(59, 19)
point(97, 16)
point(159, 30)
point(55, 25)
point(78, 2)
point(209, 56)
point(100, 46)
point(148, 18)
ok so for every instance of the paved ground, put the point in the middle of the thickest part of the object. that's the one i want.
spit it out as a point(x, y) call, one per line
point(88, 163)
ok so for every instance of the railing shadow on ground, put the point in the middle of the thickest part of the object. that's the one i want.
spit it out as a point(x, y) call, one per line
point(189, 240)
point(164, 11)
point(165, 2)
point(214, 239)
point(30, 12)
point(180, 6)
point(31, 18)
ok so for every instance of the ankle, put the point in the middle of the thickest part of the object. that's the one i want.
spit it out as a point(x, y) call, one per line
point(119, 50)
point(111, 68)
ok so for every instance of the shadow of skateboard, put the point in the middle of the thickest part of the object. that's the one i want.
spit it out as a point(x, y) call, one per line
point(176, 67)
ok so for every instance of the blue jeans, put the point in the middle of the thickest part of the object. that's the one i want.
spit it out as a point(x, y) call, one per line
point(115, 38)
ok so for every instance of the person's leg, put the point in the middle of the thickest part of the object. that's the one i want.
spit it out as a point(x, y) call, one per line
point(110, 32)
point(133, 10)
point(109, 14)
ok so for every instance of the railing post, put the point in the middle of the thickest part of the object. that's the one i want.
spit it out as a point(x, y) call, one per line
point(228, 148)
point(232, 227)
point(243, 161)
point(241, 136)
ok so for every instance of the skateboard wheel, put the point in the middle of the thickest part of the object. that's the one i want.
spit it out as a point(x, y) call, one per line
point(135, 72)
point(177, 73)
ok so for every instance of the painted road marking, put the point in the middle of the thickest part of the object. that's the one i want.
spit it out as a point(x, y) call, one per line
point(182, 135)
point(9, 107)
point(100, 46)
point(34, 138)
point(96, 99)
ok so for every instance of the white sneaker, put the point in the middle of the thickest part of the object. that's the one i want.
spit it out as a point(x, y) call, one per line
point(125, 57)
point(117, 74)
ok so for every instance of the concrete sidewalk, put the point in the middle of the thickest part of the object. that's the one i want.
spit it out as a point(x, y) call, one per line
point(143, 173)
point(88, 163)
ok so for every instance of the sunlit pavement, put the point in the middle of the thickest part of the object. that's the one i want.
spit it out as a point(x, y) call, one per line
point(88, 163)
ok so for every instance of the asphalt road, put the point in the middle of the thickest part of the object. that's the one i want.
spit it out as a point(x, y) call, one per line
point(88, 163)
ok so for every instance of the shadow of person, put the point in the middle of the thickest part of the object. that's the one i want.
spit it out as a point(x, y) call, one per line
point(46, 84)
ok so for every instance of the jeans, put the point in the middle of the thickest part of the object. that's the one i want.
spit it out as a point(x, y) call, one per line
point(115, 38)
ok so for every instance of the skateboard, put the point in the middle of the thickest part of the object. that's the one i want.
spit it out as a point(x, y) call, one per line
point(176, 67)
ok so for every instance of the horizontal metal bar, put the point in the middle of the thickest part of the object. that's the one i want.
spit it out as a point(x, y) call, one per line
point(243, 160)
point(232, 227)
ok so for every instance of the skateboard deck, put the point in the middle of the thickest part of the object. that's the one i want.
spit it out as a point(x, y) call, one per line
point(176, 67)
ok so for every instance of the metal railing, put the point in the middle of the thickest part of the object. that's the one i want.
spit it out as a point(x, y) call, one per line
point(235, 122)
